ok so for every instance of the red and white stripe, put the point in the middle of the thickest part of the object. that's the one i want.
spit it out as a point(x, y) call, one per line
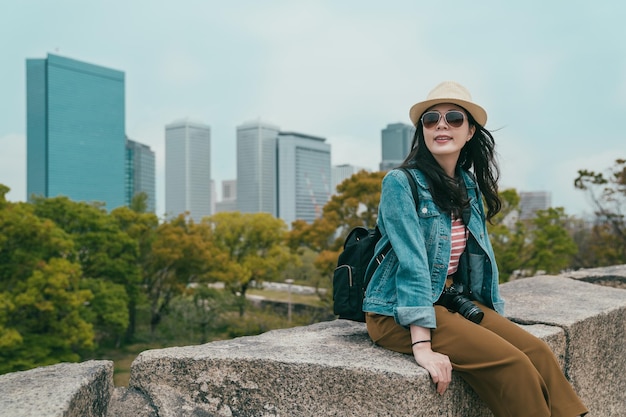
point(458, 240)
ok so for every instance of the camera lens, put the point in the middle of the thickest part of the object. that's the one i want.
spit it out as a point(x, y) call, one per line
point(468, 309)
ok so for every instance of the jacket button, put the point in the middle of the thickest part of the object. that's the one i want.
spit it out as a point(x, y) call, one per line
point(424, 210)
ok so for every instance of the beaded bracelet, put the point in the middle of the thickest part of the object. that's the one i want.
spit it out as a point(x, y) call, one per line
point(421, 341)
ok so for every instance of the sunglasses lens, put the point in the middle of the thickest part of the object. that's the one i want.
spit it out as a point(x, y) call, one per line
point(455, 118)
point(430, 119)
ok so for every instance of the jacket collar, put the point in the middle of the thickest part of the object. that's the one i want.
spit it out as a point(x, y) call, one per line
point(469, 178)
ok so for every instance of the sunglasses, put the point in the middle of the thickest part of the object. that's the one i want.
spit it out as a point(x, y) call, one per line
point(454, 118)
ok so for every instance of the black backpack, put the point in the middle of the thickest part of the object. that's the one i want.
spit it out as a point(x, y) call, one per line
point(351, 276)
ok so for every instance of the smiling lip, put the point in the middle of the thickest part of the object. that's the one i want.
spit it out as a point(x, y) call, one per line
point(442, 138)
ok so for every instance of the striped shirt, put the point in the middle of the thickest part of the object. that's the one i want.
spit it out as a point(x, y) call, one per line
point(458, 241)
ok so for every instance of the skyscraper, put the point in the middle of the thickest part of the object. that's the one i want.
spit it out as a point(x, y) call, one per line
point(140, 173)
point(256, 168)
point(188, 169)
point(533, 201)
point(75, 128)
point(303, 176)
point(396, 141)
point(229, 197)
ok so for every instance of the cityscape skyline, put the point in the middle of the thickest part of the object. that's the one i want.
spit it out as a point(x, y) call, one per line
point(343, 72)
point(76, 118)
point(190, 193)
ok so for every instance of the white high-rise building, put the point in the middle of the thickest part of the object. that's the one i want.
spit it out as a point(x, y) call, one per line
point(256, 168)
point(396, 141)
point(339, 173)
point(303, 176)
point(229, 197)
point(188, 169)
point(229, 190)
point(533, 201)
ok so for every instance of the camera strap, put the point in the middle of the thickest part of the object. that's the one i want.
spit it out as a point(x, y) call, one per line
point(466, 214)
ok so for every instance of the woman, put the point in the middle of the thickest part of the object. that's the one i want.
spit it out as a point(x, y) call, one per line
point(411, 305)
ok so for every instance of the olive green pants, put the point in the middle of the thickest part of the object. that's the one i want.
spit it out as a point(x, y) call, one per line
point(513, 372)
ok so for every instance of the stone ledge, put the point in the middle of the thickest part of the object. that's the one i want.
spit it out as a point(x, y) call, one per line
point(609, 276)
point(329, 369)
point(332, 368)
point(593, 318)
point(61, 390)
point(130, 402)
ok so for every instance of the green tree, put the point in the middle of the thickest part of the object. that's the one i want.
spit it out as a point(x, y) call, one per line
point(597, 245)
point(607, 193)
point(210, 308)
point(256, 248)
point(139, 202)
point(108, 311)
point(103, 250)
point(552, 246)
point(182, 253)
point(26, 240)
point(204, 311)
point(40, 296)
point(508, 236)
point(141, 227)
point(355, 204)
point(47, 314)
point(542, 243)
point(304, 270)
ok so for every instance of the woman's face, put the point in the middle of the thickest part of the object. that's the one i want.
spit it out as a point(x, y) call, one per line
point(442, 138)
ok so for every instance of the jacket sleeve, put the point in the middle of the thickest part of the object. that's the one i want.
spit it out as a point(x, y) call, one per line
point(398, 219)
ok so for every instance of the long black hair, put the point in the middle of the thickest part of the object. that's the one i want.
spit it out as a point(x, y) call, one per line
point(478, 154)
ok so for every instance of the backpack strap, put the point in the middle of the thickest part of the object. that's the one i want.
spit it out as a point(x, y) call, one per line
point(413, 185)
point(379, 258)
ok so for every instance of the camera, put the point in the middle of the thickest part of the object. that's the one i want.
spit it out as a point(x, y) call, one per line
point(454, 300)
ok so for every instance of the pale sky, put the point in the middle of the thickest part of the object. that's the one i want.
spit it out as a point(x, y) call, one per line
point(551, 75)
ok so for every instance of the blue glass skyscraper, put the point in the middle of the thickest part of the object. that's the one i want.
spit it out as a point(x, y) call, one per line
point(140, 173)
point(75, 127)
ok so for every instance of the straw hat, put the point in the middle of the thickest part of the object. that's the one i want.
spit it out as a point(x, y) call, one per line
point(449, 92)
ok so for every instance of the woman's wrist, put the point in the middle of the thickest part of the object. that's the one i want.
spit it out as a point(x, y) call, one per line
point(421, 345)
point(420, 341)
point(420, 337)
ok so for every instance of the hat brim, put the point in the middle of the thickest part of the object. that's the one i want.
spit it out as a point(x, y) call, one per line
point(478, 113)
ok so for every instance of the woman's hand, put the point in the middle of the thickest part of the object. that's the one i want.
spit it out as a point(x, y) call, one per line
point(437, 365)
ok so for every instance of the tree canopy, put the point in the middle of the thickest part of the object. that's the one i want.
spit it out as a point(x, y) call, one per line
point(105, 252)
point(354, 204)
point(255, 245)
point(607, 192)
point(41, 301)
point(181, 253)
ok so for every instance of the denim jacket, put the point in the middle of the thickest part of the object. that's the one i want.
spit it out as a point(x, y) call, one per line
point(412, 275)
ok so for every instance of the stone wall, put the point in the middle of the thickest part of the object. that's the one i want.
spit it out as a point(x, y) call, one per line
point(66, 389)
point(333, 369)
